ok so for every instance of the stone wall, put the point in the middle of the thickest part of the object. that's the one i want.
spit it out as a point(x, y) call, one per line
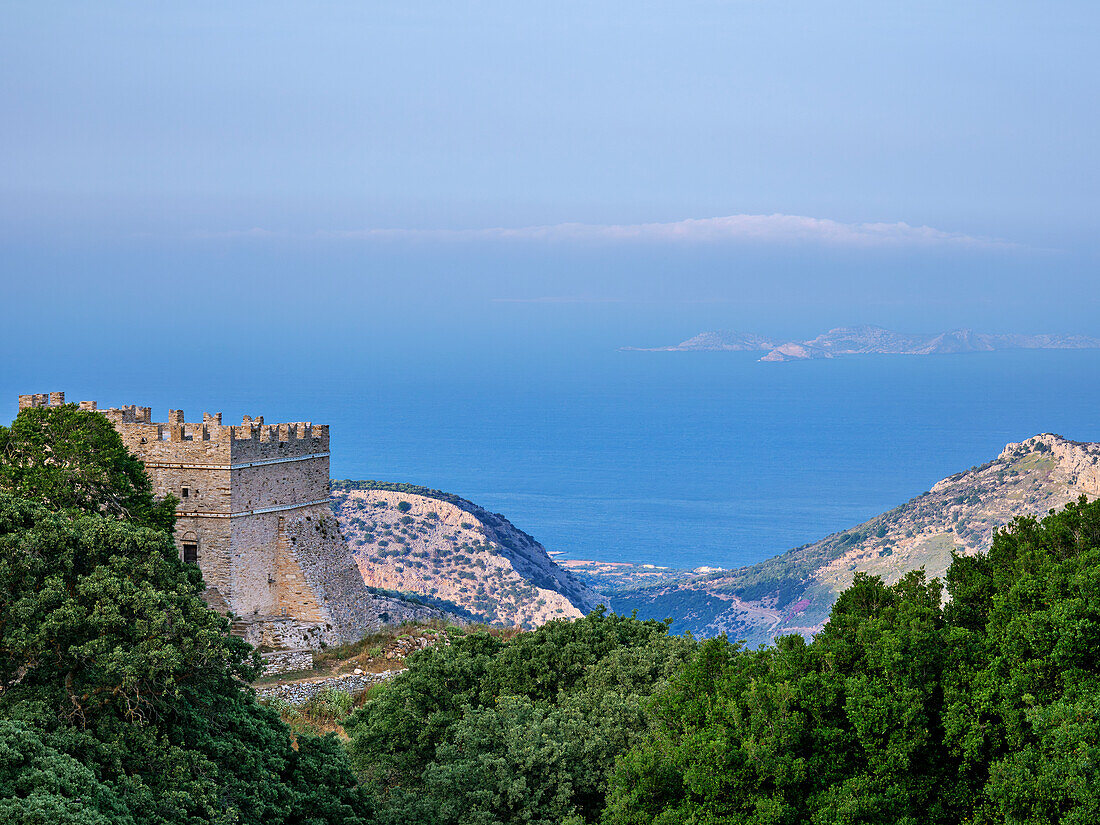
point(215, 560)
point(329, 572)
point(298, 693)
point(285, 633)
point(287, 661)
point(257, 507)
point(262, 486)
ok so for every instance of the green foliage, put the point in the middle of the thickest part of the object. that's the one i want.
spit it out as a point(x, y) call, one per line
point(330, 705)
point(107, 649)
point(39, 784)
point(69, 458)
point(837, 731)
point(1024, 710)
point(123, 698)
point(98, 615)
point(487, 731)
point(404, 507)
point(900, 710)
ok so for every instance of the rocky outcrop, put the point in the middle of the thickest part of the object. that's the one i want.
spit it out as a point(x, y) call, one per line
point(794, 592)
point(444, 548)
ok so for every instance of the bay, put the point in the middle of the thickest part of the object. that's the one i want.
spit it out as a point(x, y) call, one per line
point(690, 459)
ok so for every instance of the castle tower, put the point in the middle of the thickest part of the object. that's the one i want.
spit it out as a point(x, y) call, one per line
point(254, 516)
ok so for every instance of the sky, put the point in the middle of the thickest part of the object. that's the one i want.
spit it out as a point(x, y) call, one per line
point(277, 182)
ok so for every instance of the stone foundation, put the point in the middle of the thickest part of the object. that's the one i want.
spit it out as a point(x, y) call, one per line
point(286, 633)
point(298, 693)
point(287, 661)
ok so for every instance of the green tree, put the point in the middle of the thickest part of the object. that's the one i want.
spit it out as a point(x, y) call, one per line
point(1024, 705)
point(485, 731)
point(845, 729)
point(68, 458)
point(107, 648)
point(900, 710)
point(39, 785)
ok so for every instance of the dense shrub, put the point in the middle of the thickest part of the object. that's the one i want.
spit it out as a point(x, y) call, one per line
point(901, 710)
point(520, 731)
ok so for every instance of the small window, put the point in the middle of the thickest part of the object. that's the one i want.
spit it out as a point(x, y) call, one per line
point(190, 552)
point(186, 492)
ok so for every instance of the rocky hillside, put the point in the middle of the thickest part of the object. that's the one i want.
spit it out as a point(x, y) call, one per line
point(872, 340)
point(455, 555)
point(793, 593)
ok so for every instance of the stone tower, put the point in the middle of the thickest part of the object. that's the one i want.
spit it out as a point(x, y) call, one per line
point(254, 516)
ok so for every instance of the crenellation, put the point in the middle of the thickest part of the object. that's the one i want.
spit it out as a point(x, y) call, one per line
point(37, 400)
point(253, 514)
point(129, 414)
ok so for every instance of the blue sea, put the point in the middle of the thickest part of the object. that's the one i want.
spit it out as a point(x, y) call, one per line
point(677, 459)
point(690, 459)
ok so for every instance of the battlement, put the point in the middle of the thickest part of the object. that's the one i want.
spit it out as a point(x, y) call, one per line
point(51, 399)
point(252, 512)
point(130, 414)
point(252, 438)
point(299, 430)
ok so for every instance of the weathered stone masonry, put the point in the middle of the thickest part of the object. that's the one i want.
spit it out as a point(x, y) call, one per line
point(254, 515)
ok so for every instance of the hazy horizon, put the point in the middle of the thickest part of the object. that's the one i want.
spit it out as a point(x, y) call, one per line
point(446, 179)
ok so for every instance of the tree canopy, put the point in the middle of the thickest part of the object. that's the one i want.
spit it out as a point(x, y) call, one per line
point(68, 458)
point(487, 731)
point(902, 710)
point(124, 690)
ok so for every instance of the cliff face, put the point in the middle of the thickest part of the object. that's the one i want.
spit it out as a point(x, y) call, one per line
point(444, 548)
point(794, 592)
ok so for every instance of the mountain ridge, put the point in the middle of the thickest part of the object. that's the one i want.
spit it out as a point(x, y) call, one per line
point(868, 339)
point(793, 592)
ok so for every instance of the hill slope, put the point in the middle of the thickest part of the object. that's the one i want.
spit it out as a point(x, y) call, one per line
point(453, 553)
point(793, 593)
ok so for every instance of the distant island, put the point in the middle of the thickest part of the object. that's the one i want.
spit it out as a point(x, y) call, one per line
point(870, 340)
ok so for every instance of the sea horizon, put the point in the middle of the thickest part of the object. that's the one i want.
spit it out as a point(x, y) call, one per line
point(674, 459)
point(706, 459)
